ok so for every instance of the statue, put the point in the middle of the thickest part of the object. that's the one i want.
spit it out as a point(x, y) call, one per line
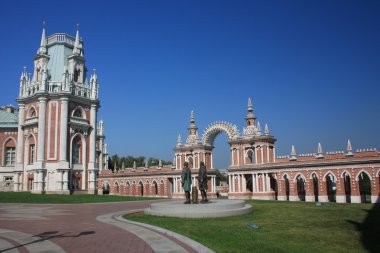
point(202, 179)
point(186, 181)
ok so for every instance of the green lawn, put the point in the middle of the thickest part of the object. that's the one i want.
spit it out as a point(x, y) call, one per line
point(284, 227)
point(26, 197)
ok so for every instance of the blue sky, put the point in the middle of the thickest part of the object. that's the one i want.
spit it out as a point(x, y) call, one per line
point(311, 68)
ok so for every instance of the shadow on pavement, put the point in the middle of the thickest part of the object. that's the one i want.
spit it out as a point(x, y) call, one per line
point(51, 235)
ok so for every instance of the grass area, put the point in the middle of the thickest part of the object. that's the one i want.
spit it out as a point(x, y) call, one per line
point(27, 197)
point(284, 227)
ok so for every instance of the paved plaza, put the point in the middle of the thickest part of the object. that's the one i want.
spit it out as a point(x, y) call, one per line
point(84, 228)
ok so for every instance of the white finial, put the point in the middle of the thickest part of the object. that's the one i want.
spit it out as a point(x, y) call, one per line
point(319, 152)
point(134, 165)
point(76, 49)
point(250, 104)
point(293, 155)
point(42, 49)
point(266, 129)
point(349, 149)
point(179, 140)
point(159, 163)
point(258, 128)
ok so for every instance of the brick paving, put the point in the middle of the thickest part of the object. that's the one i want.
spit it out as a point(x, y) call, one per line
point(74, 227)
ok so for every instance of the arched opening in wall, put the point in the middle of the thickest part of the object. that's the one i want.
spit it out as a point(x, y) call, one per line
point(250, 156)
point(141, 186)
point(32, 113)
point(155, 188)
point(273, 185)
point(106, 188)
point(76, 75)
point(78, 113)
point(287, 187)
point(75, 181)
point(117, 188)
point(127, 188)
point(190, 160)
point(9, 152)
point(347, 186)
point(221, 156)
point(301, 187)
point(331, 187)
point(365, 187)
point(77, 146)
point(315, 186)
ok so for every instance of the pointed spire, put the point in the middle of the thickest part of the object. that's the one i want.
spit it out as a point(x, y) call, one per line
point(94, 85)
point(266, 129)
point(76, 49)
point(258, 128)
point(192, 129)
point(179, 140)
point(293, 155)
point(159, 163)
point(250, 118)
point(349, 149)
point(134, 165)
point(320, 152)
point(42, 49)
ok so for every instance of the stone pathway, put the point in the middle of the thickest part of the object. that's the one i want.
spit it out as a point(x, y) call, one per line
point(84, 228)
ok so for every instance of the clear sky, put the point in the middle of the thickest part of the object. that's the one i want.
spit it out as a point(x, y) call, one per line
point(311, 68)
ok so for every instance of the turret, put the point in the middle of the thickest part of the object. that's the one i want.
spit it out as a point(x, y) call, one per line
point(319, 154)
point(42, 49)
point(293, 155)
point(193, 130)
point(94, 85)
point(250, 118)
point(349, 149)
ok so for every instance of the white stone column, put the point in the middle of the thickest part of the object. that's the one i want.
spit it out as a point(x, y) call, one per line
point(229, 183)
point(20, 137)
point(268, 182)
point(101, 167)
point(239, 182)
point(257, 183)
point(41, 129)
point(63, 130)
point(232, 158)
point(212, 164)
point(92, 165)
point(267, 153)
point(274, 154)
point(262, 154)
point(243, 183)
point(233, 183)
point(253, 183)
point(256, 154)
point(263, 182)
point(238, 156)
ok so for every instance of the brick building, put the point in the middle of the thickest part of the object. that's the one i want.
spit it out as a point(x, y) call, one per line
point(255, 171)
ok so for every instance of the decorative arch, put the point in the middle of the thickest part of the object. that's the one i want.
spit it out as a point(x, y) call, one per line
point(117, 187)
point(285, 176)
point(30, 139)
point(8, 147)
point(79, 110)
point(345, 172)
point(314, 175)
point(360, 172)
point(329, 173)
point(32, 112)
point(83, 148)
point(250, 154)
point(106, 187)
point(299, 174)
point(216, 128)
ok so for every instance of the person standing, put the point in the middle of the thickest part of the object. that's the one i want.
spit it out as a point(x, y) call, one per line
point(202, 178)
point(186, 181)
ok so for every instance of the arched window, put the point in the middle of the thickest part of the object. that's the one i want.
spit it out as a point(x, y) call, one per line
point(77, 150)
point(155, 188)
point(78, 113)
point(250, 156)
point(9, 153)
point(32, 113)
point(76, 75)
